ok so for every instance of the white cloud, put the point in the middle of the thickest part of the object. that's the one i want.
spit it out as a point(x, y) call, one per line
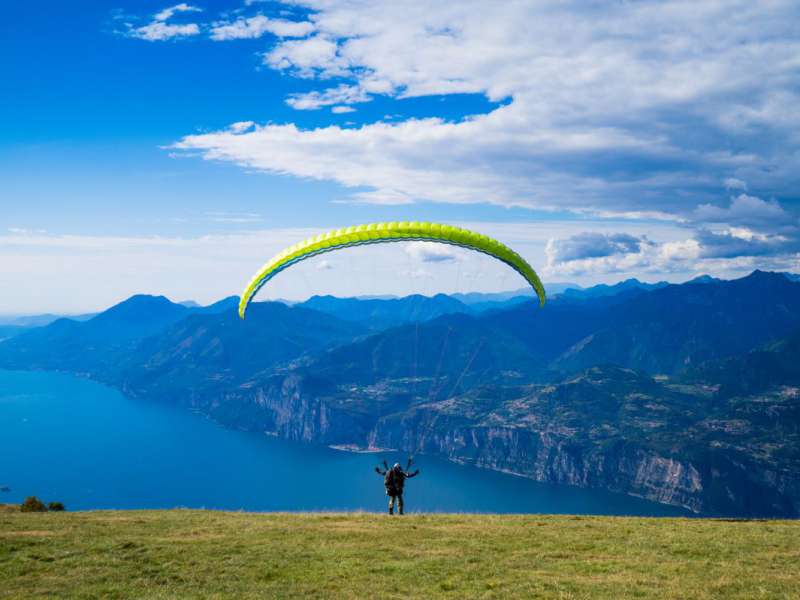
point(167, 13)
point(593, 245)
point(303, 56)
point(723, 253)
point(746, 210)
point(229, 217)
point(424, 159)
point(159, 30)
point(659, 259)
point(343, 94)
point(257, 26)
point(626, 112)
point(241, 126)
point(739, 241)
point(625, 109)
point(732, 183)
point(431, 252)
point(386, 197)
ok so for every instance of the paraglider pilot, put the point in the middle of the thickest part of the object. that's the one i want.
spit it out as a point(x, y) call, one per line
point(394, 479)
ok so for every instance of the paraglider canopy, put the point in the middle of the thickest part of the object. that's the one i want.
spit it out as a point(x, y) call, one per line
point(376, 233)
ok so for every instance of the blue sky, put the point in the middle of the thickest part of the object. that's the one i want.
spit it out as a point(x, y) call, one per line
point(171, 148)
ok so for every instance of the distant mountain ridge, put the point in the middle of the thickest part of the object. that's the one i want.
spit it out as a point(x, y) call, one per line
point(676, 326)
point(220, 349)
point(602, 289)
point(30, 321)
point(378, 314)
point(100, 341)
point(552, 289)
point(563, 393)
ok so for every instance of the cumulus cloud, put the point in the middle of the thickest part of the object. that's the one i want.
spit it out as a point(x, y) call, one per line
point(634, 256)
point(748, 227)
point(705, 251)
point(302, 57)
point(748, 211)
point(593, 245)
point(482, 160)
point(627, 112)
point(430, 252)
point(630, 109)
point(159, 30)
point(742, 242)
point(257, 26)
point(600, 254)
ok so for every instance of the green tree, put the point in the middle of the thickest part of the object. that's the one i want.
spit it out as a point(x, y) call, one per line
point(33, 504)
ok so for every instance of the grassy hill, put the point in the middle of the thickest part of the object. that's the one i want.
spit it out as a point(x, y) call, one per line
point(204, 554)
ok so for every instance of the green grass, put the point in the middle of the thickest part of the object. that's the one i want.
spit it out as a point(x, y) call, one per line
point(205, 554)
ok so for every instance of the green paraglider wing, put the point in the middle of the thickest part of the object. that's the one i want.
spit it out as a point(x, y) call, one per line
point(376, 233)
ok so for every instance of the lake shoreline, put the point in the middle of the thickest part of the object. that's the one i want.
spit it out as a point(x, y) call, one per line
point(107, 450)
point(355, 449)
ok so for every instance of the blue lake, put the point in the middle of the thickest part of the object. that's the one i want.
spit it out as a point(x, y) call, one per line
point(68, 439)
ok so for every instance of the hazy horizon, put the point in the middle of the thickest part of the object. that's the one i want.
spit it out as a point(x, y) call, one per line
point(558, 285)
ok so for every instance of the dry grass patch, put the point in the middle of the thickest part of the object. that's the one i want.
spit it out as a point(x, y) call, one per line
point(205, 554)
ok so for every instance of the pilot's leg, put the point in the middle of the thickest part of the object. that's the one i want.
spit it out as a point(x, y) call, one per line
point(400, 503)
point(391, 505)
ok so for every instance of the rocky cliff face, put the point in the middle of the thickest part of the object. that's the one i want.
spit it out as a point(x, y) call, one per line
point(530, 436)
point(288, 406)
point(552, 458)
point(295, 414)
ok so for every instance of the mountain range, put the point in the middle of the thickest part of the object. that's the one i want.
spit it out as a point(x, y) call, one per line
point(684, 394)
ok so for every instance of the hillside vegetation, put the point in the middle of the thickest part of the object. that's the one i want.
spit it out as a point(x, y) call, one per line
point(193, 554)
point(684, 394)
